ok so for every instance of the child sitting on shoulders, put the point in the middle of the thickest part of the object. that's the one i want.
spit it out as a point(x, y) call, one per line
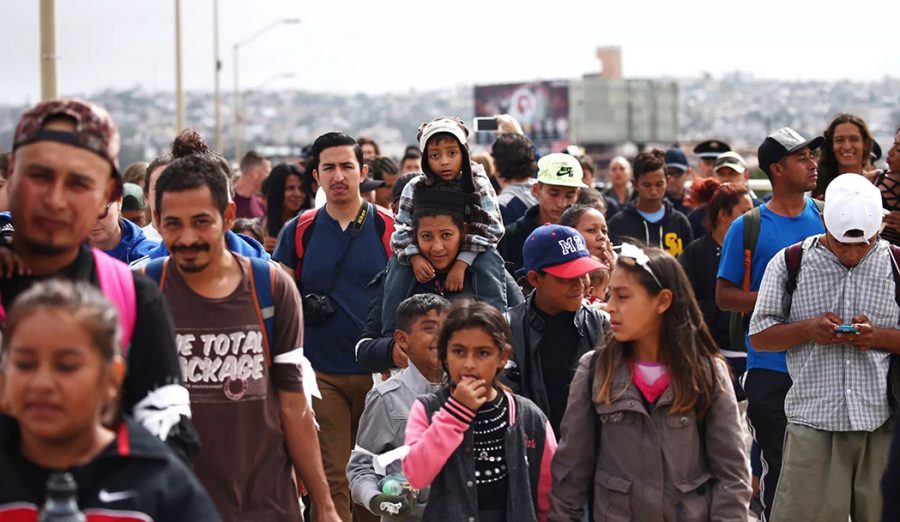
point(447, 167)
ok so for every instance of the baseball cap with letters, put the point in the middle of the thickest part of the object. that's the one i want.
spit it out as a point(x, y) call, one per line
point(782, 142)
point(853, 210)
point(560, 251)
point(94, 128)
point(560, 169)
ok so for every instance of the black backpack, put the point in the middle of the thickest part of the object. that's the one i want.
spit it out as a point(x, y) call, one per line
point(740, 322)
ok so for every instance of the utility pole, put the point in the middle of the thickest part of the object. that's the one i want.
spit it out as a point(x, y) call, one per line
point(218, 68)
point(48, 49)
point(238, 117)
point(238, 138)
point(179, 89)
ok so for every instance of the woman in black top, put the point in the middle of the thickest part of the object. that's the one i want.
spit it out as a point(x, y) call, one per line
point(701, 258)
point(889, 184)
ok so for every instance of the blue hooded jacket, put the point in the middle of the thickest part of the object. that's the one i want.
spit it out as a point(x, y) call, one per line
point(237, 243)
point(133, 245)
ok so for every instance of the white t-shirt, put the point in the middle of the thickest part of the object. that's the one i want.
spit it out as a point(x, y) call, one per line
point(151, 233)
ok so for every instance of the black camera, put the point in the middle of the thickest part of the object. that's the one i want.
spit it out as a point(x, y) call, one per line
point(317, 308)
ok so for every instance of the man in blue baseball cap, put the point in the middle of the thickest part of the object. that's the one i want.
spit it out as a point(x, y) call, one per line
point(554, 327)
point(677, 170)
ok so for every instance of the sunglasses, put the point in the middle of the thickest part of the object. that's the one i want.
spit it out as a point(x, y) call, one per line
point(637, 254)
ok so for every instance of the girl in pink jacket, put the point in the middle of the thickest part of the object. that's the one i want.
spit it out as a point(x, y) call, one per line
point(485, 451)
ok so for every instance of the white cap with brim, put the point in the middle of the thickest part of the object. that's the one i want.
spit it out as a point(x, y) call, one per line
point(560, 169)
point(853, 210)
point(732, 160)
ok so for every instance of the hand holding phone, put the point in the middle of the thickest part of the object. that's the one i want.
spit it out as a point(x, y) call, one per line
point(488, 124)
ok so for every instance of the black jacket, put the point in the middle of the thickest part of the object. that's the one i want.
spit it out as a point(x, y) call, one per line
point(136, 478)
point(375, 348)
point(672, 233)
point(524, 375)
point(510, 246)
point(152, 359)
point(700, 261)
point(453, 496)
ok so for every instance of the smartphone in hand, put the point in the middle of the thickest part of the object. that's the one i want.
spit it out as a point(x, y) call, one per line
point(847, 329)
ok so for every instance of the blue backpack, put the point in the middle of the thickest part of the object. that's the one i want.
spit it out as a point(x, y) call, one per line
point(263, 287)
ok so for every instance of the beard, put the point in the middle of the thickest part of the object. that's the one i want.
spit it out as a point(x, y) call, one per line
point(45, 249)
point(192, 268)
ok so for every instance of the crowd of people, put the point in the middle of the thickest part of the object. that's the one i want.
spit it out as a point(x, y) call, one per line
point(502, 336)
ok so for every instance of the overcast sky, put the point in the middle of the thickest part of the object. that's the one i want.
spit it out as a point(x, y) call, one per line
point(397, 45)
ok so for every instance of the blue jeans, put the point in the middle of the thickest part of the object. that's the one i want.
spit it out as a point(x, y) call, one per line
point(485, 281)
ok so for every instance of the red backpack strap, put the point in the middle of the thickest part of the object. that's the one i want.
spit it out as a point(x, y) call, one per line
point(301, 237)
point(117, 283)
point(385, 223)
point(793, 257)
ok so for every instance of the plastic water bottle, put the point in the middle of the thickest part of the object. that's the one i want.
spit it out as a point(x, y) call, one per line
point(394, 484)
point(61, 504)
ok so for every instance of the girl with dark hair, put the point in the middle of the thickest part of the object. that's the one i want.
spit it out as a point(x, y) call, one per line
point(726, 202)
point(652, 425)
point(484, 450)
point(60, 376)
point(592, 225)
point(847, 146)
point(285, 198)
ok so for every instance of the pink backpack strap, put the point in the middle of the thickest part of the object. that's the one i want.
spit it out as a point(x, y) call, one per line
point(117, 284)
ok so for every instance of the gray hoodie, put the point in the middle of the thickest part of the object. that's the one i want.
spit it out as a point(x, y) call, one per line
point(382, 428)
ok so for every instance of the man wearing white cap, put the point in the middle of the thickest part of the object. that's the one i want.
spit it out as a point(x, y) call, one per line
point(838, 328)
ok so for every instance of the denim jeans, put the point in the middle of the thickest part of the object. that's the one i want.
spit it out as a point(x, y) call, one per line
point(484, 280)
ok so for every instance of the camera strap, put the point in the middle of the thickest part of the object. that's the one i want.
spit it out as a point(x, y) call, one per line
point(355, 229)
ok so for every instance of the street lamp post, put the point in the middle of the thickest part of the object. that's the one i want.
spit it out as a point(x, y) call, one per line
point(217, 98)
point(238, 118)
point(179, 86)
point(48, 49)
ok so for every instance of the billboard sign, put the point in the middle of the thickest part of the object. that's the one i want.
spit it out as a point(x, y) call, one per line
point(541, 107)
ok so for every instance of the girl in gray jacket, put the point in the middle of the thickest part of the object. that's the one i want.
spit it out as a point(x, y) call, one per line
point(651, 432)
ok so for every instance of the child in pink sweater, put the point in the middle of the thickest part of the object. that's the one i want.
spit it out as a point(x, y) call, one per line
point(484, 450)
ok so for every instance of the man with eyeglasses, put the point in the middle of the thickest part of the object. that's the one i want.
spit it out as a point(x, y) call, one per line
point(677, 170)
point(787, 159)
point(64, 173)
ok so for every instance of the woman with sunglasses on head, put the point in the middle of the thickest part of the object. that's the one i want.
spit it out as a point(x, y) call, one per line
point(652, 429)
